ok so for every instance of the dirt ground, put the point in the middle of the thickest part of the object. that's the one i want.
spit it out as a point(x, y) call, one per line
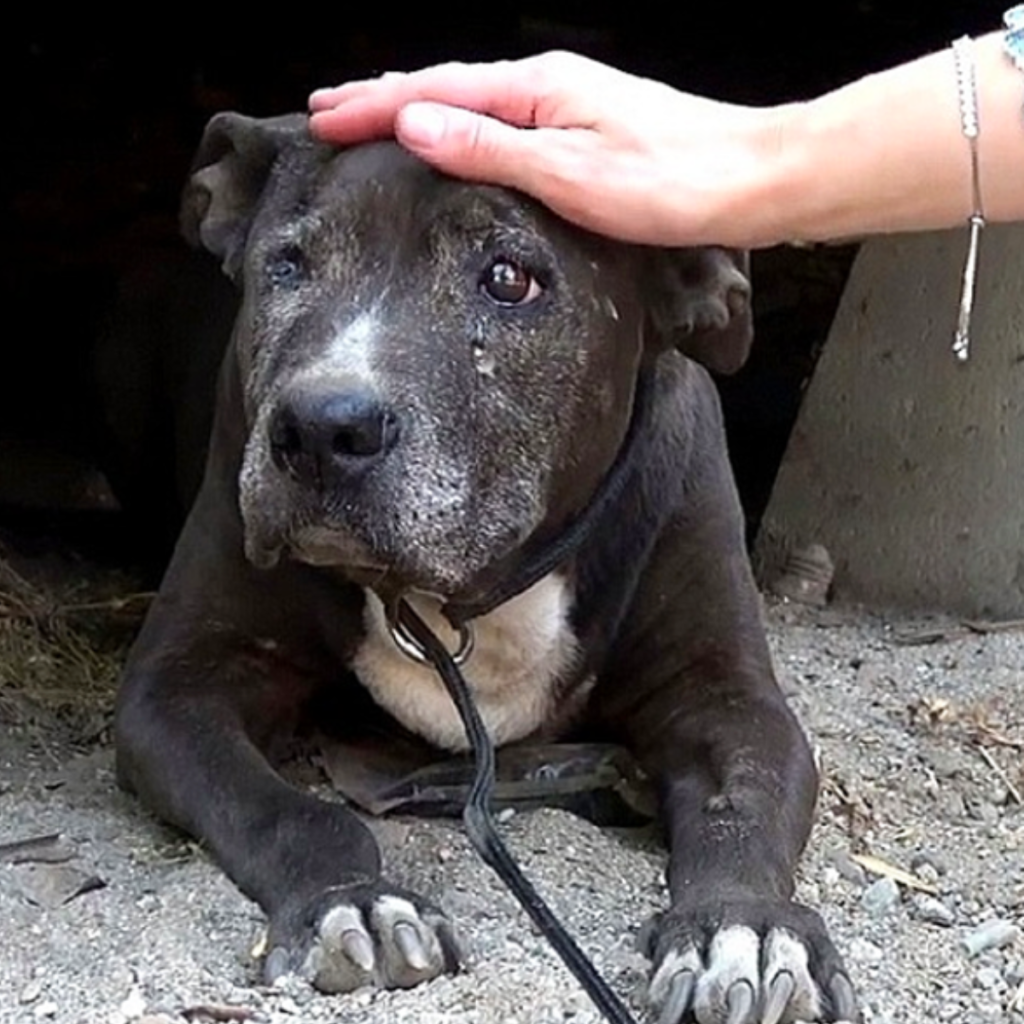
point(917, 859)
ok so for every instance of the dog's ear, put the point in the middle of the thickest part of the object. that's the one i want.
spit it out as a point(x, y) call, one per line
point(700, 304)
point(229, 172)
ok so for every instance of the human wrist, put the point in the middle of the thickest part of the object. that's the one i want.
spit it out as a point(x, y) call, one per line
point(811, 196)
point(777, 200)
point(883, 154)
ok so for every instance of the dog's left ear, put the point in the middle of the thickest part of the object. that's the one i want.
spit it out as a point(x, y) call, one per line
point(229, 173)
point(700, 305)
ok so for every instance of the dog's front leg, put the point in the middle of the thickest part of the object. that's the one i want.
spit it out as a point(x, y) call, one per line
point(194, 727)
point(694, 696)
point(737, 787)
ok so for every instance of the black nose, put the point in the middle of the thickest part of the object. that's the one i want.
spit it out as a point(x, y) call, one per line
point(316, 436)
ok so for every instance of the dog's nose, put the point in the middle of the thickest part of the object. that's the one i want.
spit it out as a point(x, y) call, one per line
point(315, 435)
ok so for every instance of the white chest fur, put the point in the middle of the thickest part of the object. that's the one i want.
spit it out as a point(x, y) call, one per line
point(521, 651)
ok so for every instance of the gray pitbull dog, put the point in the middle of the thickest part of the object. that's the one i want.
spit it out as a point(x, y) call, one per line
point(428, 380)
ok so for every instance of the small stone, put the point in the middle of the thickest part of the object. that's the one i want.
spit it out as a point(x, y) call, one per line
point(928, 867)
point(505, 814)
point(848, 867)
point(134, 1005)
point(806, 576)
point(983, 811)
point(46, 1009)
point(998, 795)
point(944, 764)
point(992, 934)
point(862, 951)
point(951, 804)
point(1014, 972)
point(829, 877)
point(30, 993)
point(988, 977)
point(933, 911)
point(881, 897)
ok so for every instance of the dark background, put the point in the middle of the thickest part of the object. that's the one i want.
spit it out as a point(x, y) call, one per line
point(102, 117)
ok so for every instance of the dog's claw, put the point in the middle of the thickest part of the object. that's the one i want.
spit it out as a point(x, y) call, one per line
point(780, 991)
point(677, 1002)
point(410, 945)
point(844, 1000)
point(358, 947)
point(740, 1002)
point(276, 965)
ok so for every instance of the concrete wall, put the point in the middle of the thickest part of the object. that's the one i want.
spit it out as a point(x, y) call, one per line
point(906, 465)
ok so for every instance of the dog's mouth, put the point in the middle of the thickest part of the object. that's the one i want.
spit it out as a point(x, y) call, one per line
point(335, 549)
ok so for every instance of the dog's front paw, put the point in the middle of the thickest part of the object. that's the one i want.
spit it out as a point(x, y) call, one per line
point(747, 963)
point(362, 935)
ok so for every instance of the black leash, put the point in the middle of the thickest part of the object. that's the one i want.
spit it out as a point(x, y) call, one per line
point(541, 556)
point(484, 836)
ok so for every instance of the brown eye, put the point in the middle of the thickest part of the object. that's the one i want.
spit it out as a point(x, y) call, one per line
point(509, 284)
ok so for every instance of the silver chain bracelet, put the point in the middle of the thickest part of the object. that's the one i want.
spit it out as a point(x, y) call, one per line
point(967, 92)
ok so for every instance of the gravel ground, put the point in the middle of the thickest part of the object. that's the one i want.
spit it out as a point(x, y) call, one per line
point(921, 751)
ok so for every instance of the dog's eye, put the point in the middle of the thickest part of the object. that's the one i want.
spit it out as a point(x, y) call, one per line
point(285, 267)
point(509, 284)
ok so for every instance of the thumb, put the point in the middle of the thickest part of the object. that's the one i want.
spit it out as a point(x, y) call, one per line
point(463, 143)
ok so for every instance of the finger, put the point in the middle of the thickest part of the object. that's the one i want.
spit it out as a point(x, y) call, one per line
point(324, 99)
point(470, 145)
point(574, 172)
point(507, 90)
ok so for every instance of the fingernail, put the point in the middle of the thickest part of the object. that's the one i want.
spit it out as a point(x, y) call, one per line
point(319, 98)
point(421, 124)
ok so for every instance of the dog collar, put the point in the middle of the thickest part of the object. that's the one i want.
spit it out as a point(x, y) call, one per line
point(543, 555)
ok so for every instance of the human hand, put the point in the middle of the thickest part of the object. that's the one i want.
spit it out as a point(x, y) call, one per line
point(620, 155)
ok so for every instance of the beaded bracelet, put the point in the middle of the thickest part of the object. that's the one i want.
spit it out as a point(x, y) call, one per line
point(967, 92)
point(1013, 47)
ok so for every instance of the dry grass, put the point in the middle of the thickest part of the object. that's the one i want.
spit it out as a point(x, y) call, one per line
point(62, 645)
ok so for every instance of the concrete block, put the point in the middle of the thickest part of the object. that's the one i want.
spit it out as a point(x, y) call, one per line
point(906, 465)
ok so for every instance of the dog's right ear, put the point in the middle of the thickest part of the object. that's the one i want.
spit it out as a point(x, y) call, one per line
point(229, 172)
point(700, 304)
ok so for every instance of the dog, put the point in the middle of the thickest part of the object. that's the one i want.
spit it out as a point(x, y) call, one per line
point(429, 385)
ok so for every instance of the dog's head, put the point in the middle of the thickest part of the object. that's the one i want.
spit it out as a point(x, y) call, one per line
point(432, 370)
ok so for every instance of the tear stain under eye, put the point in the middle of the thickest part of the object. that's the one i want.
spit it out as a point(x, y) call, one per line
point(483, 360)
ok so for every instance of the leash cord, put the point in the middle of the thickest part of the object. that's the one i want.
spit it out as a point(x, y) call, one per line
point(484, 836)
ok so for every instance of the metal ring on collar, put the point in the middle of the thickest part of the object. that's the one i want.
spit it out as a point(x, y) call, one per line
point(410, 646)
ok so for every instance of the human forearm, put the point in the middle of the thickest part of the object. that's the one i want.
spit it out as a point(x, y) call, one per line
point(887, 153)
